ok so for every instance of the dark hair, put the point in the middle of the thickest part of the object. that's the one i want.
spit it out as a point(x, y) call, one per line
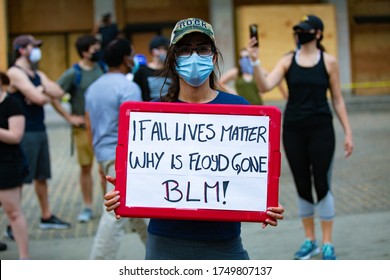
point(17, 53)
point(19, 46)
point(84, 42)
point(157, 42)
point(4, 79)
point(106, 17)
point(319, 45)
point(116, 51)
point(169, 73)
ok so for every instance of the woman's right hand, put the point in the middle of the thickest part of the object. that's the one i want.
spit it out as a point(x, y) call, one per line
point(112, 197)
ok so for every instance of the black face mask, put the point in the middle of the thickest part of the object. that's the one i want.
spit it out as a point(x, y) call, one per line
point(304, 38)
point(96, 56)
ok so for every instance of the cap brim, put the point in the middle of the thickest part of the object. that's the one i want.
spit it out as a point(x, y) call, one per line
point(303, 26)
point(179, 37)
point(37, 43)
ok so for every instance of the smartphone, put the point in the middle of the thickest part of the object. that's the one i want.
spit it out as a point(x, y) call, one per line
point(253, 33)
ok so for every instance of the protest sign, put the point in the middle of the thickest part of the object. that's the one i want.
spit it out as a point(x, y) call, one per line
point(198, 161)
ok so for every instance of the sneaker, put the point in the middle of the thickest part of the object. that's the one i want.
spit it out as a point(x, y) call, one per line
point(85, 216)
point(9, 234)
point(3, 246)
point(328, 252)
point(308, 249)
point(53, 223)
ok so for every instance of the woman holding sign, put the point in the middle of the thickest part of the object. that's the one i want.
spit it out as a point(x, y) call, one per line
point(189, 66)
point(308, 133)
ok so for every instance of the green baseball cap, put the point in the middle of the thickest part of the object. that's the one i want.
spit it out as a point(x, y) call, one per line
point(189, 25)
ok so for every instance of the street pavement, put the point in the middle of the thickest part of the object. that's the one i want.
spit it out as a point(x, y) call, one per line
point(361, 185)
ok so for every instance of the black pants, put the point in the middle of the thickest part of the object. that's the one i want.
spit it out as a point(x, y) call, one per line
point(309, 147)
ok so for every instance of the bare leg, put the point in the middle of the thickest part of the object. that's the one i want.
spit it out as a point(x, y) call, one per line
point(11, 202)
point(327, 228)
point(308, 225)
point(43, 197)
point(86, 184)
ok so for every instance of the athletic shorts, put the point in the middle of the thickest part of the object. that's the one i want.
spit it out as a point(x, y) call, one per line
point(35, 145)
point(83, 146)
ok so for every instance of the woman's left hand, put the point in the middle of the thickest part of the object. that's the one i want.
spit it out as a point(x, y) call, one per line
point(253, 50)
point(348, 145)
point(276, 213)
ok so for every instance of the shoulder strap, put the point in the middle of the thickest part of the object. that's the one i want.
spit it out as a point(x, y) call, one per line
point(77, 74)
point(20, 68)
point(103, 66)
point(24, 70)
point(34, 78)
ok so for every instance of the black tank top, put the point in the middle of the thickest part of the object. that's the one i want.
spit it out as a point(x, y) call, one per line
point(307, 87)
point(34, 113)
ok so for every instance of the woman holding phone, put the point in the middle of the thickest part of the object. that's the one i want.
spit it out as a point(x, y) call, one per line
point(308, 133)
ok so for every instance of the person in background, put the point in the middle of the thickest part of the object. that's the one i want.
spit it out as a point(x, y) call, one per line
point(191, 64)
point(33, 89)
point(75, 81)
point(102, 101)
point(3, 246)
point(147, 76)
point(139, 59)
point(12, 167)
point(245, 84)
point(106, 31)
point(308, 133)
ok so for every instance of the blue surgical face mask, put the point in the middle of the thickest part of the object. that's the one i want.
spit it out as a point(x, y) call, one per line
point(35, 55)
point(195, 69)
point(245, 65)
point(135, 68)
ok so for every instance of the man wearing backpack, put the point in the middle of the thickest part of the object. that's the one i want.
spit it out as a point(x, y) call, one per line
point(75, 81)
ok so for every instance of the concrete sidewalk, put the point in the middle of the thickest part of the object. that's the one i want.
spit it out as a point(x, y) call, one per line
point(370, 240)
point(360, 185)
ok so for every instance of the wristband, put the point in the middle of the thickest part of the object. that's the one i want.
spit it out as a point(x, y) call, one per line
point(254, 63)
